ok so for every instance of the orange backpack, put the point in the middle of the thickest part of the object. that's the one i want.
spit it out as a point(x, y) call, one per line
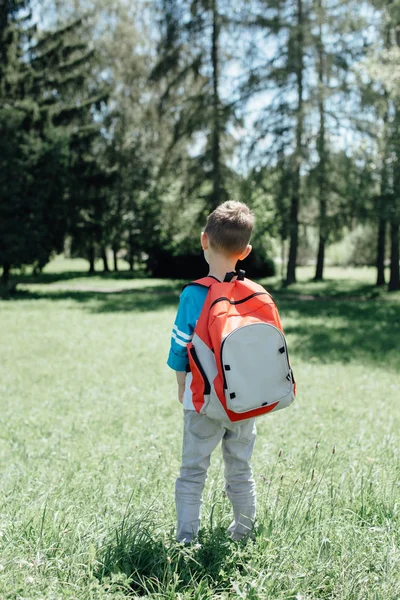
point(238, 356)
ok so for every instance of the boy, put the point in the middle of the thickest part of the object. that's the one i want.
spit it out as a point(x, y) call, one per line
point(224, 241)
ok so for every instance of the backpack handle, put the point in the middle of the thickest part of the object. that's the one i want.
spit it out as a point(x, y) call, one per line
point(229, 276)
point(240, 276)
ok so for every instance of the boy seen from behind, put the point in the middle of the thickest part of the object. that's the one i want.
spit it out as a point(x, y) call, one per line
point(224, 241)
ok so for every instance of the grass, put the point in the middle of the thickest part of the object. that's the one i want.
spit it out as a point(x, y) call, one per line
point(90, 436)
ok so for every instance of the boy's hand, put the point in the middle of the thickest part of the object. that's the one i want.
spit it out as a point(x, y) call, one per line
point(181, 378)
point(181, 391)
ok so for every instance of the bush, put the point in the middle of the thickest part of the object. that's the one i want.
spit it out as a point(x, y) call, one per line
point(166, 264)
point(257, 264)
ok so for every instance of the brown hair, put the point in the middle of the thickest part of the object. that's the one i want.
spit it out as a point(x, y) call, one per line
point(229, 227)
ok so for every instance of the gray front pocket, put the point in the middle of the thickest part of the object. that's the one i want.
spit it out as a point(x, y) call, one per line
point(256, 368)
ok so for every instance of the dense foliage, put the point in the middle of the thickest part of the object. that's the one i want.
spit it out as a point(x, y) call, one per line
point(46, 119)
point(123, 124)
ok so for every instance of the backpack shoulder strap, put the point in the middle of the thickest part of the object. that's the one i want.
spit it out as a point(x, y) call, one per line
point(204, 282)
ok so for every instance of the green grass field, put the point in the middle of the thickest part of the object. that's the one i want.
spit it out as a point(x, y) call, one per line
point(90, 436)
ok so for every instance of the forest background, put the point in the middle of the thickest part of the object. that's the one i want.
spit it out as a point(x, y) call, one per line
point(122, 124)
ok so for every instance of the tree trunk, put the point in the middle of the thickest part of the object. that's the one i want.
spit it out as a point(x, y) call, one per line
point(294, 240)
point(295, 201)
point(105, 260)
point(319, 270)
point(131, 253)
point(91, 259)
point(115, 258)
point(6, 274)
point(394, 283)
point(321, 149)
point(380, 254)
point(381, 201)
point(216, 195)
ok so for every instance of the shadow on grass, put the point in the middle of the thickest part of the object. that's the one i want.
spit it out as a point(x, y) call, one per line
point(328, 288)
point(154, 565)
point(60, 276)
point(331, 289)
point(324, 330)
point(365, 331)
point(146, 299)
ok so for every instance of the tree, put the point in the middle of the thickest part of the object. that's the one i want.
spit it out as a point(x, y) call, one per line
point(191, 65)
point(42, 108)
point(298, 152)
point(321, 144)
point(116, 203)
point(382, 94)
point(394, 282)
point(278, 77)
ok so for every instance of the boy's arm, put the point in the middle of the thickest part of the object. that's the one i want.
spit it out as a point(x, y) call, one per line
point(182, 334)
point(181, 378)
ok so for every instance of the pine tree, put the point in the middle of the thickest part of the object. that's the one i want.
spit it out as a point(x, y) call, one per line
point(190, 65)
point(43, 108)
point(284, 26)
point(337, 44)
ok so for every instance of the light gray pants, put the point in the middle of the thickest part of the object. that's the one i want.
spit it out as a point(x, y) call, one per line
point(201, 435)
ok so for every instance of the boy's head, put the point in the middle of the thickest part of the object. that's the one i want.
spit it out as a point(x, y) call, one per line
point(228, 230)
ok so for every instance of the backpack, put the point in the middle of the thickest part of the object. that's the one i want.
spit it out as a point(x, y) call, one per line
point(238, 355)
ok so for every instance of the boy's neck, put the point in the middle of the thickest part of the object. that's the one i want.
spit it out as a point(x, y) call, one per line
point(221, 265)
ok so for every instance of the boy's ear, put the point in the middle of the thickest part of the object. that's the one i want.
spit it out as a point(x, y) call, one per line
point(246, 252)
point(204, 240)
